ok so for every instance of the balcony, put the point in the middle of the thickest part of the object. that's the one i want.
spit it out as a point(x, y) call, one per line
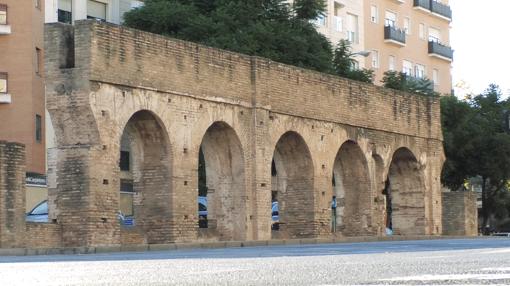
point(422, 5)
point(441, 10)
point(435, 7)
point(441, 51)
point(5, 29)
point(5, 98)
point(395, 36)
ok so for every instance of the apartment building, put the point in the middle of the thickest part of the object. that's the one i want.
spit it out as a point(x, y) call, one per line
point(21, 84)
point(411, 36)
point(68, 11)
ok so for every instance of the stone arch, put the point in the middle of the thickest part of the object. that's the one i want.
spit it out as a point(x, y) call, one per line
point(351, 185)
point(223, 157)
point(292, 181)
point(405, 192)
point(145, 180)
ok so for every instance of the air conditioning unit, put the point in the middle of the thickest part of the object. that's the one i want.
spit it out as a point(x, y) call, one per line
point(5, 29)
point(5, 98)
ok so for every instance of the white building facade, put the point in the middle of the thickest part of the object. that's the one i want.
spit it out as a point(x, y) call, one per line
point(68, 11)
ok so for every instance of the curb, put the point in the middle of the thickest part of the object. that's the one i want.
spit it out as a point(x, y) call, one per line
point(216, 245)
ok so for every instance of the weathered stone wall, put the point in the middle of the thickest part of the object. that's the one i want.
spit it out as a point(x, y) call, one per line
point(112, 73)
point(43, 235)
point(460, 214)
point(12, 194)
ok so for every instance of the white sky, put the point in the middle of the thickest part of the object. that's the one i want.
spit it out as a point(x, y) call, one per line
point(480, 37)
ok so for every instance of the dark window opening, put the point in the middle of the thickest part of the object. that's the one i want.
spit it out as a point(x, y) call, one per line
point(38, 128)
point(65, 17)
point(124, 161)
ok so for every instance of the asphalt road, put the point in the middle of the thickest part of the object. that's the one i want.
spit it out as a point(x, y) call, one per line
point(430, 262)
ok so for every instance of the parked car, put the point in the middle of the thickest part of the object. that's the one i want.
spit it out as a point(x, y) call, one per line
point(202, 212)
point(39, 213)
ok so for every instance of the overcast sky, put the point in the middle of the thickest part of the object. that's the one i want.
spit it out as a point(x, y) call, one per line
point(480, 37)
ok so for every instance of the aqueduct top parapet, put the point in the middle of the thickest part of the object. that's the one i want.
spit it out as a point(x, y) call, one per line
point(98, 51)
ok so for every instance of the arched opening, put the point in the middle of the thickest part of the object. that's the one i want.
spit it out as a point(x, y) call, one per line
point(351, 186)
point(145, 189)
point(221, 180)
point(405, 195)
point(292, 188)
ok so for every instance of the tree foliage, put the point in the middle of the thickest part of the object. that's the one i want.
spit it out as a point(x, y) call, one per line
point(343, 64)
point(266, 28)
point(401, 81)
point(477, 143)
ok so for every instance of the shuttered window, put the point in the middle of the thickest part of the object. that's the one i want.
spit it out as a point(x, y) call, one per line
point(96, 10)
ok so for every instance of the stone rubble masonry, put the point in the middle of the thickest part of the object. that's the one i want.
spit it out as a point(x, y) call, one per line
point(102, 78)
point(12, 194)
point(460, 213)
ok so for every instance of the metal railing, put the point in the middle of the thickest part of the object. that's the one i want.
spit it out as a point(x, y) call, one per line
point(394, 34)
point(440, 49)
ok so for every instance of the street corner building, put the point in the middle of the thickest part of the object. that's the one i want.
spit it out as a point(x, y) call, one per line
point(145, 123)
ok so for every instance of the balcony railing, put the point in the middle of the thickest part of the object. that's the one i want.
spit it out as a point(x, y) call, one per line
point(394, 35)
point(424, 4)
point(435, 7)
point(441, 9)
point(439, 50)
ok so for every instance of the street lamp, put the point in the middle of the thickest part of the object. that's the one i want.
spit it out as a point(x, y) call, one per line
point(360, 53)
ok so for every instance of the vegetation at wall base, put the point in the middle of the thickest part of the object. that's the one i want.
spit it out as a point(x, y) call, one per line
point(477, 143)
point(401, 81)
point(343, 64)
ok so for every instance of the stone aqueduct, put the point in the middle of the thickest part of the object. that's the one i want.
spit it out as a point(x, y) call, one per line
point(264, 129)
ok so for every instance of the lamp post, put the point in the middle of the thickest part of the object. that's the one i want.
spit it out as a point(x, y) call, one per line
point(360, 53)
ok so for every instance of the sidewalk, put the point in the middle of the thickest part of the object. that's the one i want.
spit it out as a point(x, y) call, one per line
point(208, 245)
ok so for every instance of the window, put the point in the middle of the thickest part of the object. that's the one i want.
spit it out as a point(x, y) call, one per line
point(419, 71)
point(375, 59)
point(338, 18)
point(422, 31)
point(3, 14)
point(391, 19)
point(38, 128)
point(124, 161)
point(65, 14)
point(3, 82)
point(373, 14)
point(435, 76)
point(407, 68)
point(407, 25)
point(355, 65)
point(338, 24)
point(96, 10)
point(38, 59)
point(38, 4)
point(391, 63)
point(352, 28)
point(434, 35)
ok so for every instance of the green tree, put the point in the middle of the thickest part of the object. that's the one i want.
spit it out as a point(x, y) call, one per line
point(477, 143)
point(401, 81)
point(266, 28)
point(344, 64)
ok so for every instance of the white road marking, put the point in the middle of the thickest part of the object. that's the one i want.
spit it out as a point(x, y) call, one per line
point(495, 276)
point(496, 251)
